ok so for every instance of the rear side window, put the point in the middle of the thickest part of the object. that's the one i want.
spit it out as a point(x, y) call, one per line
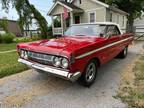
point(113, 30)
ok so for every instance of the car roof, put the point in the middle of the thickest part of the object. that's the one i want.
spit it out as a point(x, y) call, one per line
point(97, 23)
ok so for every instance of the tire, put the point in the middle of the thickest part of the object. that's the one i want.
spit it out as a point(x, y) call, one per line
point(89, 75)
point(124, 53)
point(39, 71)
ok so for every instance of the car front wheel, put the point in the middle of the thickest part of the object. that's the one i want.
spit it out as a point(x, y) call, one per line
point(89, 76)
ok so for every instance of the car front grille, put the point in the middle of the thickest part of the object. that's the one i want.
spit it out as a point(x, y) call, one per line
point(40, 58)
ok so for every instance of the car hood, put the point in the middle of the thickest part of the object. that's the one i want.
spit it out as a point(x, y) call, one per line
point(63, 46)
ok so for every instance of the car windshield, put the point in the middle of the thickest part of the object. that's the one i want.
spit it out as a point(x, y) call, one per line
point(86, 30)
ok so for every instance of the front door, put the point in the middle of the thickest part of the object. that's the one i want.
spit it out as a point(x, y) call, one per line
point(113, 39)
point(77, 19)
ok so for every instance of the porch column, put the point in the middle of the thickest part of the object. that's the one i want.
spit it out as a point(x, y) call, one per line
point(71, 18)
point(62, 23)
point(52, 24)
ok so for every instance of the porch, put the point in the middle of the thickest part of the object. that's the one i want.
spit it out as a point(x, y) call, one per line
point(63, 15)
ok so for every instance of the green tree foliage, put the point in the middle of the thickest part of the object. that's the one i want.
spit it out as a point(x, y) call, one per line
point(27, 12)
point(133, 7)
point(3, 24)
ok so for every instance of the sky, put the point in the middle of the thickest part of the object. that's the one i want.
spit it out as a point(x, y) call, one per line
point(42, 5)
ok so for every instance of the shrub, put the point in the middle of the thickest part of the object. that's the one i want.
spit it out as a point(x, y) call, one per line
point(26, 39)
point(0, 38)
point(22, 39)
point(7, 38)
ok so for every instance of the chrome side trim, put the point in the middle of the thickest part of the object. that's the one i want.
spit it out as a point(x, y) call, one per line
point(96, 50)
point(61, 73)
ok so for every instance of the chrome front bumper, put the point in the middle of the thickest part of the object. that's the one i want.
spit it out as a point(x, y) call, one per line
point(61, 73)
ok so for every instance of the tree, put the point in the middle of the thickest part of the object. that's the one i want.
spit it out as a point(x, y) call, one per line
point(133, 7)
point(3, 25)
point(27, 12)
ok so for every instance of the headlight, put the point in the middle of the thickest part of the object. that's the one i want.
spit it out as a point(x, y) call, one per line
point(56, 61)
point(24, 54)
point(64, 63)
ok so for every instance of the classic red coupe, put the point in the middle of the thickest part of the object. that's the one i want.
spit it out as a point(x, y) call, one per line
point(78, 53)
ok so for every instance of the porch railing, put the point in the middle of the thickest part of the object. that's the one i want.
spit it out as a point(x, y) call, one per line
point(57, 31)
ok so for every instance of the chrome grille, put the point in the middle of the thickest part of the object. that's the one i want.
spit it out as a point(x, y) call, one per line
point(40, 58)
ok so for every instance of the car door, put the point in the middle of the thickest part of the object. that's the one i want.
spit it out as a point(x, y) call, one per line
point(113, 35)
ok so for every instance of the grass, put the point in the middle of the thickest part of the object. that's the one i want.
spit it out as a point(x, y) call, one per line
point(6, 47)
point(9, 64)
point(132, 91)
point(8, 61)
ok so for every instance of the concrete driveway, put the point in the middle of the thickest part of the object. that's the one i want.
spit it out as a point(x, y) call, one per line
point(33, 90)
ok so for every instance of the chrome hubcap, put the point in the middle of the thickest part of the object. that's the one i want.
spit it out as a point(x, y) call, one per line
point(90, 72)
point(125, 51)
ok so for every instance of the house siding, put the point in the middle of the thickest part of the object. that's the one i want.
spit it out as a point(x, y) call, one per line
point(57, 10)
point(12, 27)
point(90, 6)
point(117, 20)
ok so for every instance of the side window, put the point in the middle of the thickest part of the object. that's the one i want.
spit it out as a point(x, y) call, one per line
point(117, 30)
point(113, 30)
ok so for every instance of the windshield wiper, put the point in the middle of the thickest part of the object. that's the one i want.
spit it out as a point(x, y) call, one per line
point(80, 35)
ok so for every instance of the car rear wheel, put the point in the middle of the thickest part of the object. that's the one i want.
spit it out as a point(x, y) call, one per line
point(124, 53)
point(89, 76)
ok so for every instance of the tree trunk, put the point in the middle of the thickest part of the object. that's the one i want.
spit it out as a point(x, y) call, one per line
point(40, 19)
point(130, 25)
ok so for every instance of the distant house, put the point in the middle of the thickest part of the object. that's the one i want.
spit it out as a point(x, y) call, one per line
point(84, 11)
point(139, 25)
point(12, 27)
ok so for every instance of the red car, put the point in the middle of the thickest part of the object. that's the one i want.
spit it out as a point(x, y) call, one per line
point(78, 53)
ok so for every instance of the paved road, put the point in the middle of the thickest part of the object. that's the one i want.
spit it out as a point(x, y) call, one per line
point(33, 90)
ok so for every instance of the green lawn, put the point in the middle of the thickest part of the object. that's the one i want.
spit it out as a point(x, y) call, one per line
point(6, 47)
point(9, 64)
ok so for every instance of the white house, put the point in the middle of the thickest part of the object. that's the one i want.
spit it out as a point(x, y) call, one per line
point(139, 25)
point(84, 11)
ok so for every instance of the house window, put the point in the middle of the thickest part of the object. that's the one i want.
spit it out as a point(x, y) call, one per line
point(111, 17)
point(78, 2)
point(92, 17)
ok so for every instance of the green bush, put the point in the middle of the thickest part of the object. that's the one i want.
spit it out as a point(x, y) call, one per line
point(26, 39)
point(22, 39)
point(0, 39)
point(7, 38)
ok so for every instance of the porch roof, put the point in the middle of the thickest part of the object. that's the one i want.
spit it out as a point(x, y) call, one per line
point(69, 6)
